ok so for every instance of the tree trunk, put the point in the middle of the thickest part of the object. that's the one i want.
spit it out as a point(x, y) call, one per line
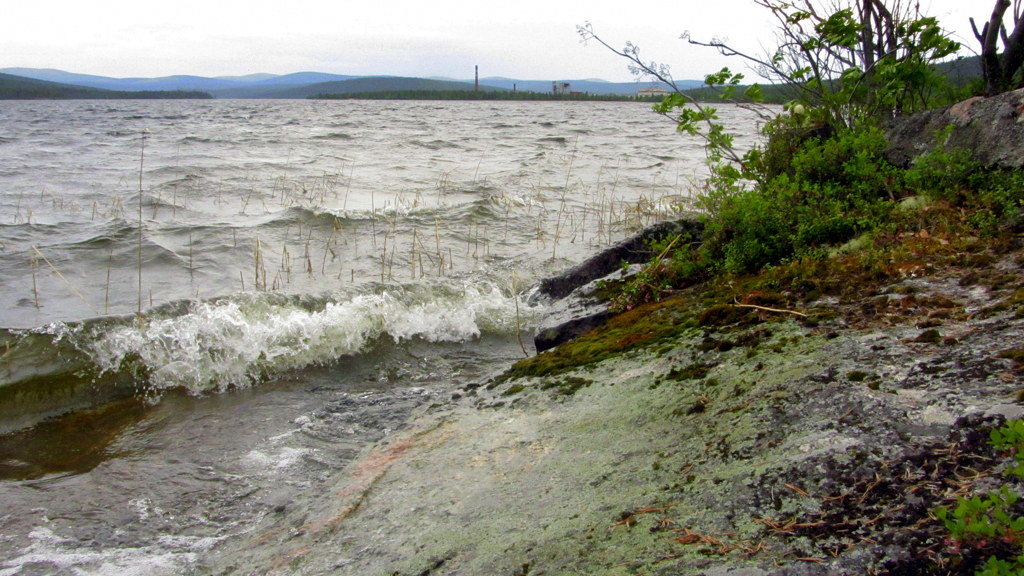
point(991, 68)
point(1013, 52)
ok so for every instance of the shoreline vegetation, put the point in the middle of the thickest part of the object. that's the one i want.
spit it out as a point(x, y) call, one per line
point(833, 353)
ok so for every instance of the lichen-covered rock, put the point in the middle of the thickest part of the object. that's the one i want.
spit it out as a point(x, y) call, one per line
point(991, 128)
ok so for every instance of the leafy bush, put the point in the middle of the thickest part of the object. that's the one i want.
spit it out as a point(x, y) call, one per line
point(825, 192)
point(990, 524)
point(821, 178)
point(994, 198)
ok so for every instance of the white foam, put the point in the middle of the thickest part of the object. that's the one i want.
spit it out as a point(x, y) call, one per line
point(219, 345)
point(280, 460)
point(48, 549)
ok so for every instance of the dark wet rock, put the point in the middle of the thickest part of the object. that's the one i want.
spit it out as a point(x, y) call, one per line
point(576, 309)
point(576, 314)
point(632, 250)
point(991, 128)
point(571, 321)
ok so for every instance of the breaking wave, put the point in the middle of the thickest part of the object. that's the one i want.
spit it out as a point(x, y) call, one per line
point(214, 346)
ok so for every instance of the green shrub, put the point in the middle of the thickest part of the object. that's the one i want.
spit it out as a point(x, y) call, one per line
point(989, 524)
point(820, 192)
point(993, 198)
point(942, 174)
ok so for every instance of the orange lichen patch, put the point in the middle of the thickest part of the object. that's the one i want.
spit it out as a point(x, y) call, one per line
point(913, 268)
point(721, 544)
point(374, 465)
point(367, 471)
point(289, 557)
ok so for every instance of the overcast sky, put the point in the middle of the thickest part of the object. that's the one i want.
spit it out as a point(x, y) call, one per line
point(526, 39)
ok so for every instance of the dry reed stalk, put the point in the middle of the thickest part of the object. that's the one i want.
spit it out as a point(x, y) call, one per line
point(391, 261)
point(142, 156)
point(437, 245)
point(259, 267)
point(34, 264)
point(65, 280)
point(286, 261)
point(327, 248)
point(373, 220)
point(106, 295)
point(412, 254)
point(348, 188)
point(309, 260)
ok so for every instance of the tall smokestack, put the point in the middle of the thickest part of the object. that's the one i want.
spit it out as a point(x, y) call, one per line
point(476, 81)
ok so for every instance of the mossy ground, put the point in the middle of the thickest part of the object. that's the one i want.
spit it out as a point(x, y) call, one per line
point(739, 354)
point(854, 285)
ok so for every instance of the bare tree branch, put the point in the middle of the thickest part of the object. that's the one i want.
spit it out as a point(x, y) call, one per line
point(661, 72)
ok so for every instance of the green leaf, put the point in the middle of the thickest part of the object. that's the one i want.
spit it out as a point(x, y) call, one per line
point(754, 93)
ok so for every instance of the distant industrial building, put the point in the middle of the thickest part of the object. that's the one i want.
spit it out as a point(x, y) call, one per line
point(651, 91)
point(559, 88)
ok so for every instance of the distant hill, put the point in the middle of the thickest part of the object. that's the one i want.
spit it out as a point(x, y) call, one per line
point(248, 77)
point(303, 78)
point(126, 84)
point(380, 84)
point(274, 86)
point(301, 84)
point(63, 84)
point(20, 88)
point(962, 71)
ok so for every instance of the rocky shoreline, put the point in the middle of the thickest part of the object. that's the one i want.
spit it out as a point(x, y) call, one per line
point(759, 441)
point(808, 423)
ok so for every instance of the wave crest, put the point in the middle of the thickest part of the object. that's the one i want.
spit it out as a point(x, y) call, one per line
point(214, 346)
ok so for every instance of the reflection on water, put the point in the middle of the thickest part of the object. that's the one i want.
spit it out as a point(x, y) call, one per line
point(72, 443)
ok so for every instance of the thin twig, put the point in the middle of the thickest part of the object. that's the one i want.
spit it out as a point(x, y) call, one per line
point(766, 309)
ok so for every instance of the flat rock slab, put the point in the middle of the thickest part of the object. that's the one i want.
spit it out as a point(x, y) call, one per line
point(625, 477)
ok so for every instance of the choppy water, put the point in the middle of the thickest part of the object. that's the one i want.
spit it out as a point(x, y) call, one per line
point(236, 296)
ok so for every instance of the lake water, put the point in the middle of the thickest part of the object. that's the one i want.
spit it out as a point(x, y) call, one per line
point(209, 307)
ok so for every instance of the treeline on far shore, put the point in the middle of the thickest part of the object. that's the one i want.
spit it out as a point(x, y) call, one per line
point(771, 95)
point(480, 95)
